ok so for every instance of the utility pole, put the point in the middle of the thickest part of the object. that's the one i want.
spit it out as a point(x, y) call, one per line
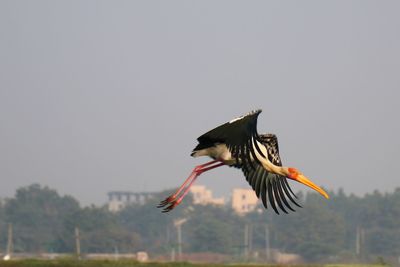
point(359, 240)
point(179, 241)
point(116, 253)
point(250, 238)
point(267, 244)
point(246, 241)
point(362, 241)
point(77, 243)
point(10, 245)
point(178, 224)
point(173, 254)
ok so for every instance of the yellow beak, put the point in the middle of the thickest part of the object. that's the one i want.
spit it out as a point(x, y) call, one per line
point(304, 180)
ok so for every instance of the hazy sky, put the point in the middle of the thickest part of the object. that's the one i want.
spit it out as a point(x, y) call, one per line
point(111, 95)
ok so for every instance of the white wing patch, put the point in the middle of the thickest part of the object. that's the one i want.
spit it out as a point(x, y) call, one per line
point(236, 119)
point(268, 165)
point(241, 117)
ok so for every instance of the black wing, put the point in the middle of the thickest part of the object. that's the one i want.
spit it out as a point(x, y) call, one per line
point(238, 135)
point(270, 141)
point(268, 185)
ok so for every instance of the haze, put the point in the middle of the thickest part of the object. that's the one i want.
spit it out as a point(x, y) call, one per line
point(111, 95)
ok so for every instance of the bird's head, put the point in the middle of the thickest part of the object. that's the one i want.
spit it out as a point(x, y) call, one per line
point(294, 174)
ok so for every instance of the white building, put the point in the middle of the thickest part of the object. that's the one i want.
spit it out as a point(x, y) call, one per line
point(203, 196)
point(117, 200)
point(244, 200)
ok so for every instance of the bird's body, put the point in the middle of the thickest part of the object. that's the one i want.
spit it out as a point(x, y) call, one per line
point(217, 151)
point(220, 151)
point(237, 143)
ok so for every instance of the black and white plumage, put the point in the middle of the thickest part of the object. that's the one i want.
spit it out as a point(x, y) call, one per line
point(237, 143)
point(268, 185)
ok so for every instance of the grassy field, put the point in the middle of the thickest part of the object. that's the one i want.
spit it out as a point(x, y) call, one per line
point(130, 263)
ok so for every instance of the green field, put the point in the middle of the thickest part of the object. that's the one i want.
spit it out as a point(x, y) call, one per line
point(129, 263)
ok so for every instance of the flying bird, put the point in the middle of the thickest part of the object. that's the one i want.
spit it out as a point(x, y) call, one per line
point(237, 144)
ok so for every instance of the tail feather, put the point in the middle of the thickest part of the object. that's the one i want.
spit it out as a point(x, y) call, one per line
point(198, 153)
point(200, 149)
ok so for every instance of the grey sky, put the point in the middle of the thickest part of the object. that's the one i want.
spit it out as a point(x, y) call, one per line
point(111, 95)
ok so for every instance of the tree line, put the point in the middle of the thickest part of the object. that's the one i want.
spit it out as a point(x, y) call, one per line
point(344, 228)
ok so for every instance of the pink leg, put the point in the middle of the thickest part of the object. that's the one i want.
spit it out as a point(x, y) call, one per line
point(172, 201)
point(197, 168)
point(194, 179)
point(191, 176)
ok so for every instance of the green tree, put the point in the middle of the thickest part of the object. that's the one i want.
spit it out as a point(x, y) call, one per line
point(154, 227)
point(213, 229)
point(3, 226)
point(37, 214)
point(380, 218)
point(315, 231)
point(100, 232)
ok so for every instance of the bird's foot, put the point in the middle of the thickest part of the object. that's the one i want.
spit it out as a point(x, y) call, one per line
point(166, 201)
point(172, 205)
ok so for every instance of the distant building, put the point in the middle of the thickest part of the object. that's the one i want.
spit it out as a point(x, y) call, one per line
point(203, 196)
point(244, 200)
point(117, 200)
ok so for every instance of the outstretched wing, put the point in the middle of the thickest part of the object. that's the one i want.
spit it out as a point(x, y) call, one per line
point(239, 135)
point(270, 187)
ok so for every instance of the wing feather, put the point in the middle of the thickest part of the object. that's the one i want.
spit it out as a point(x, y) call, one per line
point(238, 135)
point(270, 187)
point(277, 195)
point(284, 183)
point(290, 189)
point(270, 141)
point(271, 196)
point(282, 194)
point(263, 190)
point(258, 184)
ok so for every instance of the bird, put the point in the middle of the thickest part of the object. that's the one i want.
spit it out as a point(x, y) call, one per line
point(237, 143)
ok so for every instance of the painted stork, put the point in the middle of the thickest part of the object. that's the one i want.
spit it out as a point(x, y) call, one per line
point(237, 144)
